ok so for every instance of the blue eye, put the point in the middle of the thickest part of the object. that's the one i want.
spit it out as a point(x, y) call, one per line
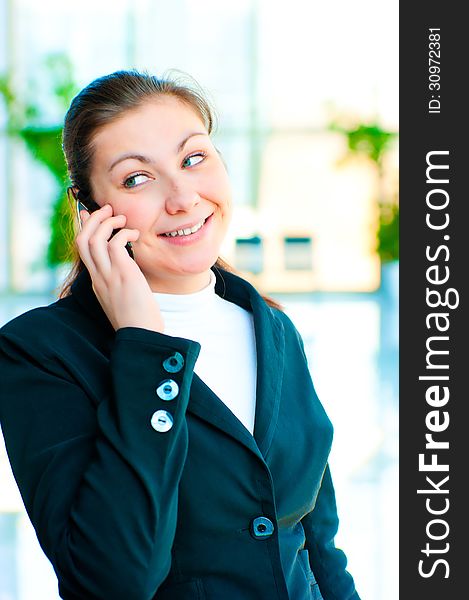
point(199, 155)
point(135, 180)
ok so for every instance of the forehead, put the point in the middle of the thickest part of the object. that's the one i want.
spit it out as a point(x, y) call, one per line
point(162, 121)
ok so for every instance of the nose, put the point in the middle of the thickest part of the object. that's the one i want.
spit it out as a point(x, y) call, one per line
point(181, 198)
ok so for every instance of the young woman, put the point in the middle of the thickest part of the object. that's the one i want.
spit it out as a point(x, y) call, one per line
point(159, 417)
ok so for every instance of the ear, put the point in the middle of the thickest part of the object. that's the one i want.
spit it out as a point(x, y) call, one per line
point(78, 196)
point(81, 200)
point(73, 190)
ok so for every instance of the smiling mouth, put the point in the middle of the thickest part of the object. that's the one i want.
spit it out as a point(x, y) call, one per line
point(187, 231)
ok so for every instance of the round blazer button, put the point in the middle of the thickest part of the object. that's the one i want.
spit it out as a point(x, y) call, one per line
point(261, 527)
point(174, 363)
point(168, 389)
point(161, 421)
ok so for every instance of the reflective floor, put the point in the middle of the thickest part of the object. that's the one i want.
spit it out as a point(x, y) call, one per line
point(351, 343)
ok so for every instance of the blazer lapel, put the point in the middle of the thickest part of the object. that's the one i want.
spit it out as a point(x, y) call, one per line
point(270, 350)
point(208, 406)
point(270, 344)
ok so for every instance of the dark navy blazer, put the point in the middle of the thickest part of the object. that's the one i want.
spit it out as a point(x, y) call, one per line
point(204, 510)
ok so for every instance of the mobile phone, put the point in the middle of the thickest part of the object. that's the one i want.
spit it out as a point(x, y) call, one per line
point(87, 203)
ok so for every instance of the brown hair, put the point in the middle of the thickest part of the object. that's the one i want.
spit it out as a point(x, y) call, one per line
point(103, 101)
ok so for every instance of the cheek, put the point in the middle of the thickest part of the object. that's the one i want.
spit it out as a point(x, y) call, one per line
point(220, 189)
point(138, 215)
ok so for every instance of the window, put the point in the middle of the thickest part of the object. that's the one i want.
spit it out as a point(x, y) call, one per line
point(249, 254)
point(298, 253)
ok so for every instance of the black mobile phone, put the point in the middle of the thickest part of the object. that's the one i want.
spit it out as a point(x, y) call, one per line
point(90, 205)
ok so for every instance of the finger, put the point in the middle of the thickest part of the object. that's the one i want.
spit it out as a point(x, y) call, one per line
point(82, 217)
point(91, 241)
point(117, 251)
point(90, 221)
point(96, 217)
point(92, 233)
point(98, 248)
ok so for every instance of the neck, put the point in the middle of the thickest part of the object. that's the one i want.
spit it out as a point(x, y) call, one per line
point(181, 284)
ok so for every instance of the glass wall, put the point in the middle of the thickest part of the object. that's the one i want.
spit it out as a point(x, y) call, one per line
point(278, 78)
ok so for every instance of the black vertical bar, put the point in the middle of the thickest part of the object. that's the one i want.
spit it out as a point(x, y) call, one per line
point(434, 358)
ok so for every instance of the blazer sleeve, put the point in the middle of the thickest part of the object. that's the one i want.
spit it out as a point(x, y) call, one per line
point(328, 563)
point(99, 483)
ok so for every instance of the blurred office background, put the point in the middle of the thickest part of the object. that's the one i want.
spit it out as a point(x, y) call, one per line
point(307, 97)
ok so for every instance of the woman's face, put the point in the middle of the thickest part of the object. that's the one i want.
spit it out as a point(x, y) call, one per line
point(157, 166)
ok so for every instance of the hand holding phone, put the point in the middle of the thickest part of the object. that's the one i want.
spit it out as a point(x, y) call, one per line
point(87, 203)
point(119, 284)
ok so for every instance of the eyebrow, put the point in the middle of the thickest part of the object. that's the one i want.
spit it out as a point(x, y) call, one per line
point(147, 160)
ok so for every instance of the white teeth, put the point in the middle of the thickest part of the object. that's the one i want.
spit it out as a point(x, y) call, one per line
point(182, 232)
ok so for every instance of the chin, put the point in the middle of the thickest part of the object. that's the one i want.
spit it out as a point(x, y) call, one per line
point(198, 266)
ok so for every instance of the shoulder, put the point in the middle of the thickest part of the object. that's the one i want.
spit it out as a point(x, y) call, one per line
point(292, 335)
point(237, 289)
point(32, 320)
point(43, 329)
point(283, 317)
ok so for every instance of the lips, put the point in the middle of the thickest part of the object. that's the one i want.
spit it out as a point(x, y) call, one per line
point(186, 228)
point(186, 240)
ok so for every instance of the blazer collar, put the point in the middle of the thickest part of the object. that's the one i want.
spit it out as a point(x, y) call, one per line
point(270, 349)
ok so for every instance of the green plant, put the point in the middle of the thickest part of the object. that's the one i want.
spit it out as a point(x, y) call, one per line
point(388, 232)
point(372, 141)
point(26, 118)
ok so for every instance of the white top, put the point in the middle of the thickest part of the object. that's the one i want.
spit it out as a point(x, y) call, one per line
point(227, 362)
